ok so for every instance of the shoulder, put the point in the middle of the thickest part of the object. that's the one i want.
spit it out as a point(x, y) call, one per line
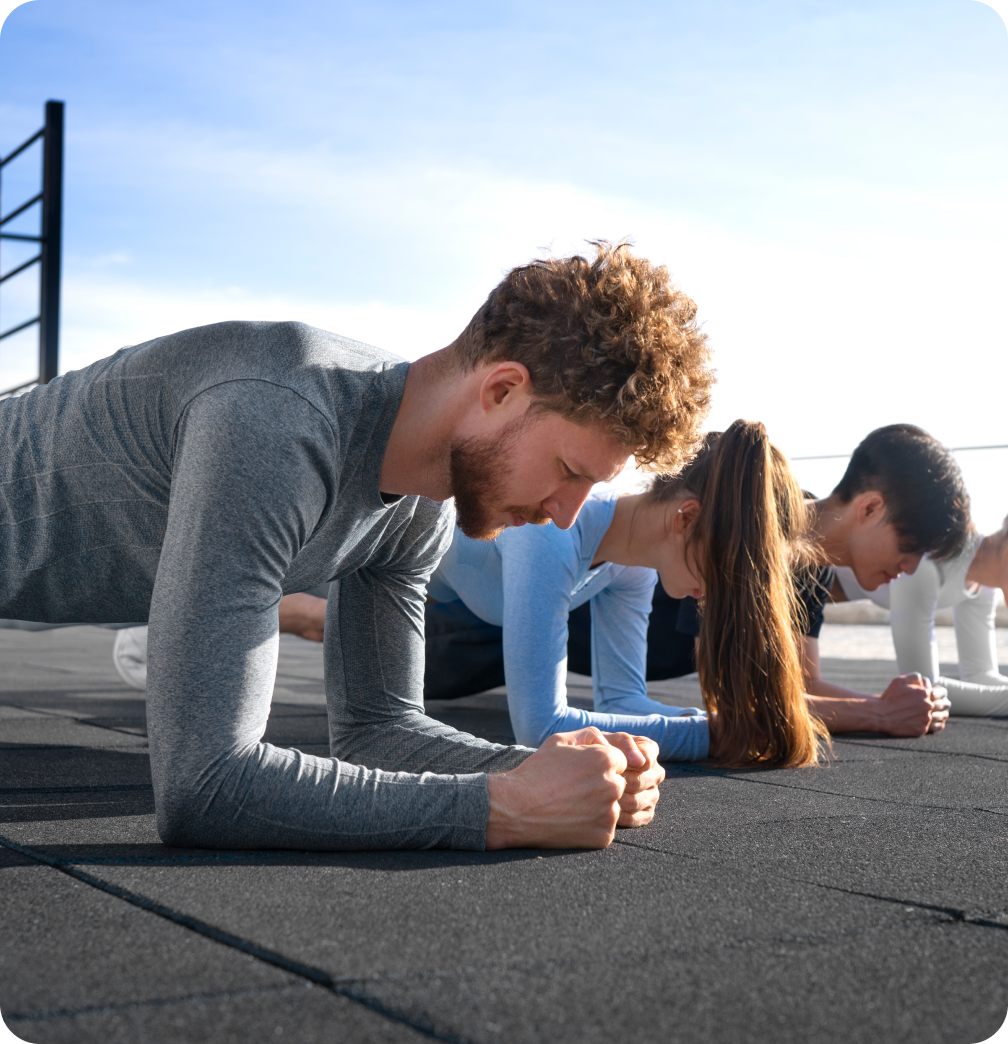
point(595, 518)
point(816, 584)
point(291, 336)
point(582, 538)
point(282, 352)
point(639, 580)
point(417, 530)
point(335, 349)
point(813, 590)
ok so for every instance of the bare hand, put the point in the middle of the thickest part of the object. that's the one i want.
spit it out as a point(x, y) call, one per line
point(643, 775)
point(907, 707)
point(565, 795)
point(304, 615)
point(940, 707)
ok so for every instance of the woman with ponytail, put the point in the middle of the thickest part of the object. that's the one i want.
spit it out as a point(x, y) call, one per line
point(749, 540)
point(729, 529)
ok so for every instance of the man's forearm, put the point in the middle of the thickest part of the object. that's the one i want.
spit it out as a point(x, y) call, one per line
point(851, 712)
point(906, 708)
point(830, 690)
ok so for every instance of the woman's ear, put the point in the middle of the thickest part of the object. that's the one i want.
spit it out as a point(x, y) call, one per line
point(686, 514)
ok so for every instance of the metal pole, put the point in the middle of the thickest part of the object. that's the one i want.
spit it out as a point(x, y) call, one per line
point(52, 239)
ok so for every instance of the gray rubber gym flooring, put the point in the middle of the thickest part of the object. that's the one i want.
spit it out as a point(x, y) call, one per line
point(864, 901)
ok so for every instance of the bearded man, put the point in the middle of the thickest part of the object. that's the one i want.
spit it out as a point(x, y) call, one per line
point(197, 478)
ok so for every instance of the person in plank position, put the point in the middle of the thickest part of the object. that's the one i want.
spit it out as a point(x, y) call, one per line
point(968, 585)
point(901, 497)
point(732, 525)
point(193, 480)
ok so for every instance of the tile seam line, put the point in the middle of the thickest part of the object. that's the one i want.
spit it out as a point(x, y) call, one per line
point(425, 974)
point(261, 953)
point(521, 967)
point(153, 1002)
point(954, 915)
point(828, 793)
point(864, 744)
point(49, 715)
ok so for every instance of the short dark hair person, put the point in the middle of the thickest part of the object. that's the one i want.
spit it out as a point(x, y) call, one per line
point(925, 498)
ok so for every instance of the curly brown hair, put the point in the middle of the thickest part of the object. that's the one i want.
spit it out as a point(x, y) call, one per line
point(609, 339)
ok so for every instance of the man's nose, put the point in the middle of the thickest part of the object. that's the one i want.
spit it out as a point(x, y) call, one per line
point(564, 504)
point(909, 563)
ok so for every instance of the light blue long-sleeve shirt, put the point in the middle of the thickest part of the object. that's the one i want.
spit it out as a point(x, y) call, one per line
point(527, 581)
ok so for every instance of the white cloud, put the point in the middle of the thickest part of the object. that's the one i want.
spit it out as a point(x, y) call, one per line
point(103, 315)
point(836, 339)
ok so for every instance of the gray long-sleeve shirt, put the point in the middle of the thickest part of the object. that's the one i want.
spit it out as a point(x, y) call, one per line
point(194, 479)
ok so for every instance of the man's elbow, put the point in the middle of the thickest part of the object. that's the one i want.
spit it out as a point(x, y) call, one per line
point(183, 820)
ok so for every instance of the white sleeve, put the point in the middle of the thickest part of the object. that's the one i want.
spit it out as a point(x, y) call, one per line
point(970, 700)
point(855, 592)
point(977, 639)
point(913, 598)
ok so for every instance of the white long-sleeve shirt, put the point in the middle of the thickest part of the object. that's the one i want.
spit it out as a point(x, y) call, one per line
point(912, 600)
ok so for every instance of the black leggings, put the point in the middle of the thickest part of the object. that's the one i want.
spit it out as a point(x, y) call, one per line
point(670, 651)
point(465, 655)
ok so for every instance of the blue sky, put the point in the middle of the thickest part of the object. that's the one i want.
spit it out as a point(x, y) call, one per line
point(827, 180)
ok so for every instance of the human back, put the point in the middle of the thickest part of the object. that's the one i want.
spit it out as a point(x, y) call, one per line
point(99, 446)
point(257, 477)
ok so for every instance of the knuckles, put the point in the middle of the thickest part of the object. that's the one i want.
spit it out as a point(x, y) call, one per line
point(647, 747)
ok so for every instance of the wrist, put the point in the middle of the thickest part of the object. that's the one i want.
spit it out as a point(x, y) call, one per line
point(873, 714)
point(504, 823)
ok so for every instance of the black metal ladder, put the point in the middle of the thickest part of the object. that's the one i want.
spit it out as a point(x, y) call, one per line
point(49, 240)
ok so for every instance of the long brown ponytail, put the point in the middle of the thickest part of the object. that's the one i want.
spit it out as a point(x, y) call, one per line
point(750, 541)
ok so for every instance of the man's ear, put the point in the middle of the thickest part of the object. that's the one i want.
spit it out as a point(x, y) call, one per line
point(504, 381)
point(870, 506)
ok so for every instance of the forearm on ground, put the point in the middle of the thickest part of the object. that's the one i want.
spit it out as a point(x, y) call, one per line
point(844, 711)
point(908, 707)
